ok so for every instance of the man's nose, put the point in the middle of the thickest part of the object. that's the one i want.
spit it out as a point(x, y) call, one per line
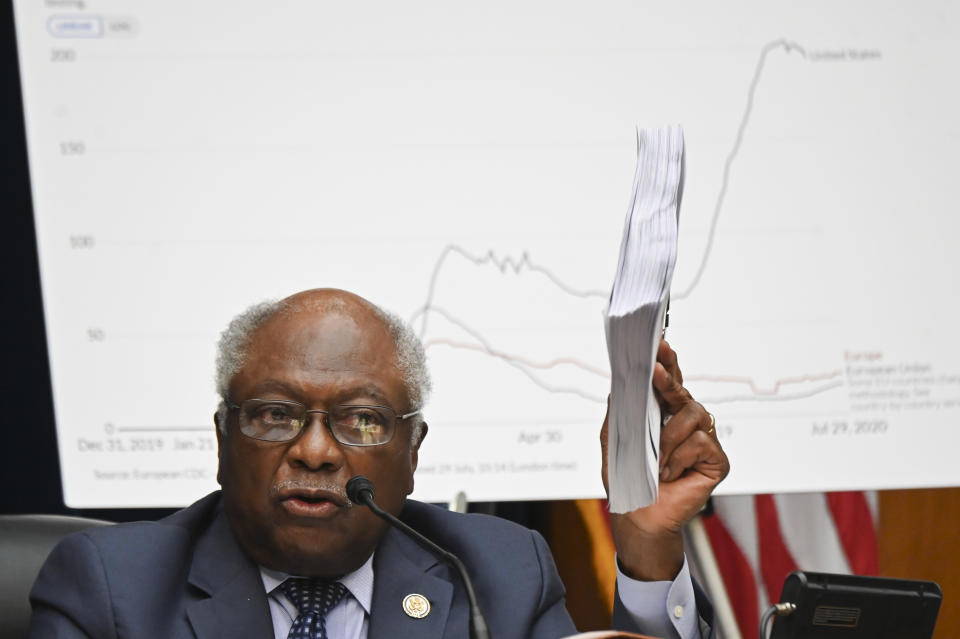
point(316, 449)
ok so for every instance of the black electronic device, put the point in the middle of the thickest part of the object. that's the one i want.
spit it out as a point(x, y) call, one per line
point(829, 606)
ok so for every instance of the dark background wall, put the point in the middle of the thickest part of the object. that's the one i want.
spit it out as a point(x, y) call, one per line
point(30, 467)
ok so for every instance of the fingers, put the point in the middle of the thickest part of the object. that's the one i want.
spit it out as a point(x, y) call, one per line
point(669, 385)
point(688, 441)
point(701, 453)
point(682, 425)
point(668, 357)
point(604, 430)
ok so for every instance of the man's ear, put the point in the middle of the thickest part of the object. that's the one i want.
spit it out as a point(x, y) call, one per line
point(220, 444)
point(414, 451)
point(415, 448)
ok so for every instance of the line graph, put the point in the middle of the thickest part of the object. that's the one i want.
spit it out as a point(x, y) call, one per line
point(517, 362)
point(528, 366)
point(554, 363)
point(767, 49)
point(503, 264)
point(765, 300)
point(526, 263)
point(728, 399)
point(758, 390)
point(487, 209)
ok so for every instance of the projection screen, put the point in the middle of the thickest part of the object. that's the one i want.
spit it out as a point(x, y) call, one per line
point(468, 166)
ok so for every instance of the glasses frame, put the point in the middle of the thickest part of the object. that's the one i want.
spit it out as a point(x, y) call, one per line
point(326, 422)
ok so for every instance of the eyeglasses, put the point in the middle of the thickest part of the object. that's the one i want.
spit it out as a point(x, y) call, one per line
point(275, 420)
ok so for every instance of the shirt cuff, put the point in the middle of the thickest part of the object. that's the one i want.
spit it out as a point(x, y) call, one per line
point(661, 608)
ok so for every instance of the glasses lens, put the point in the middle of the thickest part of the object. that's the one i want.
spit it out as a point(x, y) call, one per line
point(362, 425)
point(272, 421)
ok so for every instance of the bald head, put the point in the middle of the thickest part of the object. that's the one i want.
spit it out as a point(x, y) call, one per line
point(327, 300)
point(312, 306)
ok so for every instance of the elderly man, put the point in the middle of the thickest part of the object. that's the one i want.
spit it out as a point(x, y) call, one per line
point(318, 388)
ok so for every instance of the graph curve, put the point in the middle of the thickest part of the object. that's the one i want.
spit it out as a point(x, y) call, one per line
point(503, 264)
point(767, 49)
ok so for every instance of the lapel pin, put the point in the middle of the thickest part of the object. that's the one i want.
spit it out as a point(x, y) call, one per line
point(416, 606)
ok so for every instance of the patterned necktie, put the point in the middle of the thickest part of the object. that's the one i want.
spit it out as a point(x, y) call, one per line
point(313, 598)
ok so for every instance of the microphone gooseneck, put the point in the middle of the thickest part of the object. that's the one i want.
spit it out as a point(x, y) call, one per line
point(360, 491)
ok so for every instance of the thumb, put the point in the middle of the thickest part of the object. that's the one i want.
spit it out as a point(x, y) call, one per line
point(604, 432)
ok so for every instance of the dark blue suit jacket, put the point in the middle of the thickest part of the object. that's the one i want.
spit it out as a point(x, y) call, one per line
point(186, 576)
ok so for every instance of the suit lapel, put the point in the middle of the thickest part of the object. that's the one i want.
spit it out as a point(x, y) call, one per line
point(237, 605)
point(401, 568)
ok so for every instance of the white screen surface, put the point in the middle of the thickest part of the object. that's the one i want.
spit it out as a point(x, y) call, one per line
point(189, 159)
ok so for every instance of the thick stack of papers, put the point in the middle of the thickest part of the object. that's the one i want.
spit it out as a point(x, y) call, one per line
point(635, 317)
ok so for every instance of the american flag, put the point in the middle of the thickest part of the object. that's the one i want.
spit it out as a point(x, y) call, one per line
point(759, 539)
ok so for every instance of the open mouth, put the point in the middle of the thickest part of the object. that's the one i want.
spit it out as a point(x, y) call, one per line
point(310, 506)
point(311, 499)
point(311, 503)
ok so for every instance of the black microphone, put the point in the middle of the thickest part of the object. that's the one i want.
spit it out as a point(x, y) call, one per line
point(360, 491)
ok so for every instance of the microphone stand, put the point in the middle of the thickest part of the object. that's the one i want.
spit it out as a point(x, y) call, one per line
point(360, 490)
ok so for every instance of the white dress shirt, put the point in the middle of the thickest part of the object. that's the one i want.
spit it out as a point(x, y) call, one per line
point(662, 608)
point(347, 620)
point(665, 609)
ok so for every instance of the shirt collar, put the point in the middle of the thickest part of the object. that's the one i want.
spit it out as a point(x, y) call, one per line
point(359, 582)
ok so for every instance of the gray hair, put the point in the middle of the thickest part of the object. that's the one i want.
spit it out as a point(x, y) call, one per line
point(235, 340)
